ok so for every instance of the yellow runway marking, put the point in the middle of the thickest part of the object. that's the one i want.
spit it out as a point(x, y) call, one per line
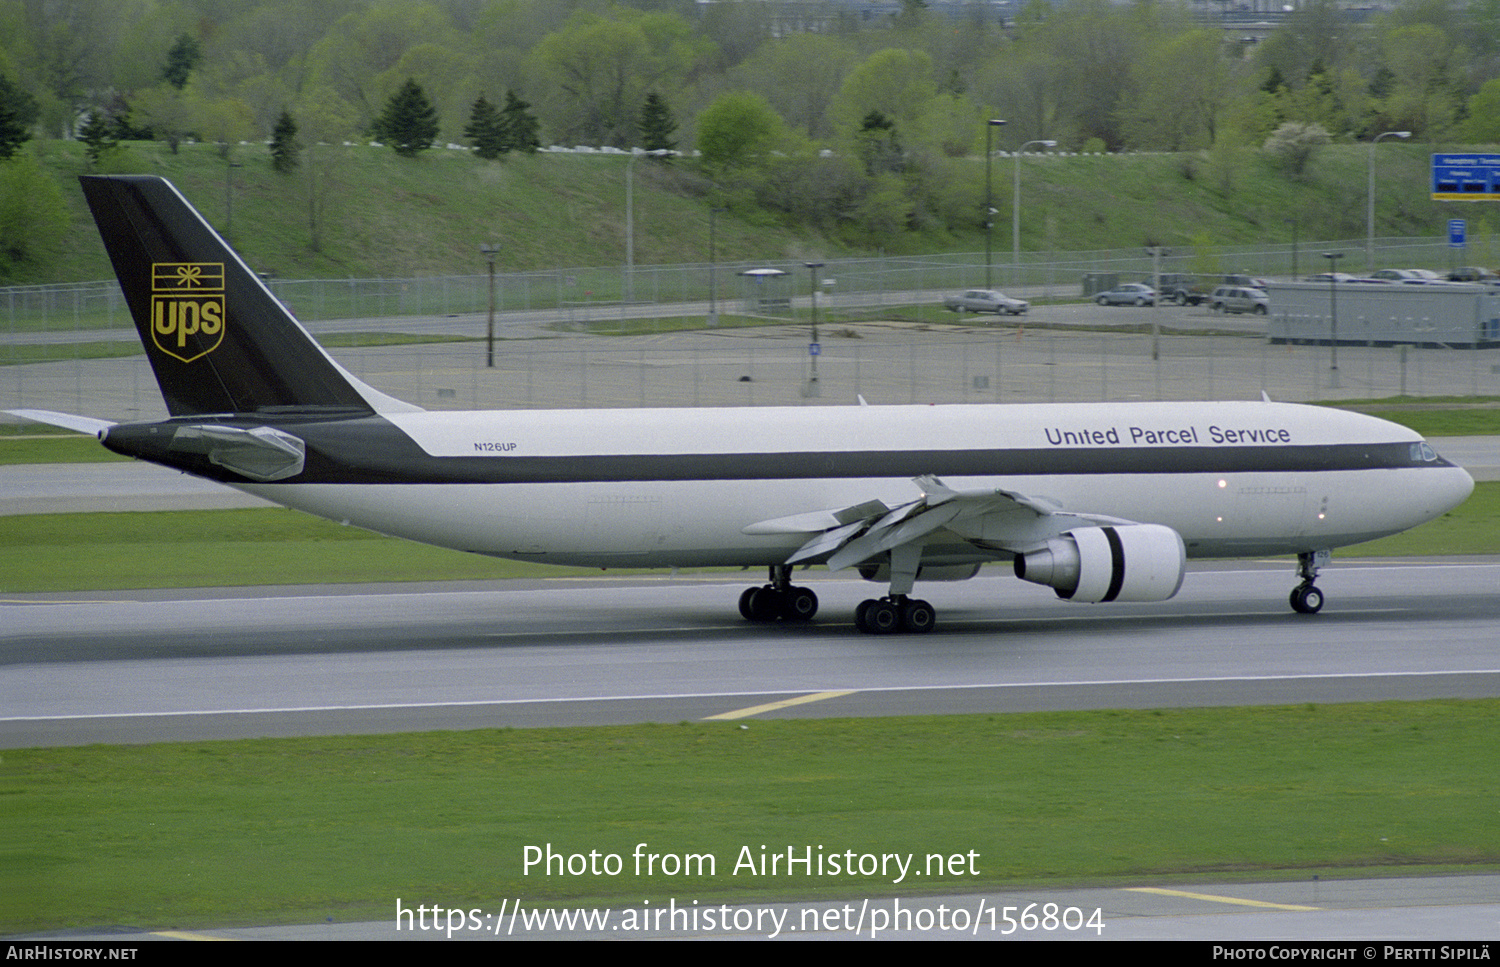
point(773, 706)
point(1238, 901)
point(184, 935)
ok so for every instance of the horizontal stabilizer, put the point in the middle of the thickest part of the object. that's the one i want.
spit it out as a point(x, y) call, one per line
point(68, 421)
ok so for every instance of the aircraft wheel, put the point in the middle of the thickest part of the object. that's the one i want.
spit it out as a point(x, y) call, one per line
point(761, 605)
point(746, 598)
point(877, 617)
point(1306, 599)
point(799, 604)
point(918, 617)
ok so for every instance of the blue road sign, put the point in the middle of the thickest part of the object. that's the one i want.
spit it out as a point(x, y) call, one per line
point(1456, 228)
point(1466, 177)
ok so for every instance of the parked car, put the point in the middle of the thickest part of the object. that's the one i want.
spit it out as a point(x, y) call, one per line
point(1406, 276)
point(1248, 281)
point(1473, 273)
point(1181, 288)
point(986, 300)
point(1239, 298)
point(1129, 294)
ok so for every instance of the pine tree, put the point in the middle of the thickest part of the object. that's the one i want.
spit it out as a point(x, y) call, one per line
point(520, 125)
point(181, 60)
point(657, 124)
point(486, 130)
point(18, 112)
point(98, 136)
point(284, 144)
point(409, 122)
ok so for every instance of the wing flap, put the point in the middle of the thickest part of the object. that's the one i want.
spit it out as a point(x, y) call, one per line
point(999, 520)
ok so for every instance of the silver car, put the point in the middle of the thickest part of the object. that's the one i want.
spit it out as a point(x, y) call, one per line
point(1129, 294)
point(1239, 298)
point(986, 300)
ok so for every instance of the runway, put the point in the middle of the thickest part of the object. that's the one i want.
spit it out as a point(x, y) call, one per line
point(152, 666)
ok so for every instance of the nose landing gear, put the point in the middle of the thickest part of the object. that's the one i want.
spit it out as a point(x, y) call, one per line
point(1305, 598)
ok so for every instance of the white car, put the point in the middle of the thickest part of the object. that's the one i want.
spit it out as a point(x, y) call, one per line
point(986, 300)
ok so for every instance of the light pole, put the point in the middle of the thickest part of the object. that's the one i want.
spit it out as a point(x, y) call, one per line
point(489, 251)
point(713, 262)
point(1015, 208)
point(1333, 315)
point(813, 348)
point(1370, 198)
point(989, 204)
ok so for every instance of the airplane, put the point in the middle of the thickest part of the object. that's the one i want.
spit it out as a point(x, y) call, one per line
point(1101, 502)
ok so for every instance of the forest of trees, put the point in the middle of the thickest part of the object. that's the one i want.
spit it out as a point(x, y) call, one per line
point(804, 107)
point(1086, 73)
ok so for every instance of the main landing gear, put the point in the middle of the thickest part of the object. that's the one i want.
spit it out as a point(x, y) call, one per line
point(897, 612)
point(779, 600)
point(1305, 598)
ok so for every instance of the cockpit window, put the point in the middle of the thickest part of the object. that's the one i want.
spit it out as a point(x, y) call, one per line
point(1422, 453)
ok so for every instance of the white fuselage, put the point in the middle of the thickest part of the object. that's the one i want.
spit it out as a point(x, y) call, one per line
point(1213, 472)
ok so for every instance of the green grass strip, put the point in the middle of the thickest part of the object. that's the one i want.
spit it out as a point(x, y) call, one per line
point(298, 830)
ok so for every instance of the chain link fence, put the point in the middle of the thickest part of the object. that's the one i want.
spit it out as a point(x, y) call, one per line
point(73, 347)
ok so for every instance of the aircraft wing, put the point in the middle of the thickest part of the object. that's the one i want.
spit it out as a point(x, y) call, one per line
point(993, 519)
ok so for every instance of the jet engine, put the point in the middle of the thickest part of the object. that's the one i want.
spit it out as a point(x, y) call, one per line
point(1130, 562)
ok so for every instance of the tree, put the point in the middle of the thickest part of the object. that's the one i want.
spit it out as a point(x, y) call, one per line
point(657, 124)
point(18, 112)
point(33, 220)
point(1483, 123)
point(1293, 145)
point(284, 144)
point(98, 137)
point(519, 124)
point(409, 122)
point(736, 128)
point(181, 59)
point(486, 129)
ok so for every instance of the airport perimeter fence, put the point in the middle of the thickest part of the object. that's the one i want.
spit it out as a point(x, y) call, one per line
point(71, 347)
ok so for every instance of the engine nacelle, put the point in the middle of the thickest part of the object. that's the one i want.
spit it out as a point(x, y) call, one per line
point(1131, 562)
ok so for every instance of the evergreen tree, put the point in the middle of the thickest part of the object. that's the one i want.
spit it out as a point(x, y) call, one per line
point(18, 112)
point(284, 144)
point(657, 124)
point(486, 130)
point(181, 59)
point(521, 126)
point(98, 136)
point(409, 122)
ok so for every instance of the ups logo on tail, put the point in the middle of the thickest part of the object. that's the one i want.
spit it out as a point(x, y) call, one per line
point(187, 308)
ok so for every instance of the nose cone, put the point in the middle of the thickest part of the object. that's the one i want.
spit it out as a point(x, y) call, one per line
point(1459, 485)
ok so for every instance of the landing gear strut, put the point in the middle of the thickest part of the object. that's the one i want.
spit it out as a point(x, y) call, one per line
point(778, 600)
point(1307, 599)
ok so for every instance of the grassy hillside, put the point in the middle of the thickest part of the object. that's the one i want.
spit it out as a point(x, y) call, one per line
point(388, 216)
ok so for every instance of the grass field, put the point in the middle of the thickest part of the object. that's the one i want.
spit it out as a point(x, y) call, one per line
point(303, 830)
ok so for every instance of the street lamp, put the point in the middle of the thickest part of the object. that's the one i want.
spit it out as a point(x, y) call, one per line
point(1015, 206)
point(1333, 315)
point(989, 205)
point(713, 262)
point(813, 348)
point(489, 251)
point(1370, 198)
